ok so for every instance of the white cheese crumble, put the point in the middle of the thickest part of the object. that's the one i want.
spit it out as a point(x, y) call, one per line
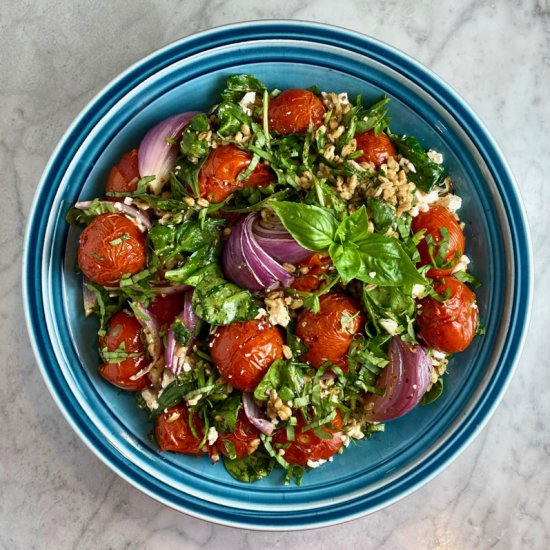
point(247, 102)
point(450, 201)
point(435, 156)
point(150, 397)
point(212, 435)
point(315, 463)
point(167, 378)
point(418, 291)
point(390, 326)
point(261, 313)
point(194, 400)
point(277, 311)
point(462, 264)
point(423, 201)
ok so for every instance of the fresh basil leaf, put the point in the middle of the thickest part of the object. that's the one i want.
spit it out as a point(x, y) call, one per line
point(231, 117)
point(322, 194)
point(434, 393)
point(172, 395)
point(225, 414)
point(220, 302)
point(346, 259)
point(196, 267)
point(312, 226)
point(428, 173)
point(383, 214)
point(250, 468)
point(373, 117)
point(465, 277)
point(354, 228)
point(385, 263)
point(272, 380)
point(238, 84)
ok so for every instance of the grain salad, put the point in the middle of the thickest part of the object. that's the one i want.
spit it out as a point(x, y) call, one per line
point(276, 277)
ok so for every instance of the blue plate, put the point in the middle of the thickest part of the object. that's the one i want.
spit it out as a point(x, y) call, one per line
point(188, 75)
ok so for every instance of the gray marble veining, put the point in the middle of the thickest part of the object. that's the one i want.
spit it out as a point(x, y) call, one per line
point(54, 57)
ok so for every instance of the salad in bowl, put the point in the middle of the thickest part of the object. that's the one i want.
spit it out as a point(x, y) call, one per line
point(277, 277)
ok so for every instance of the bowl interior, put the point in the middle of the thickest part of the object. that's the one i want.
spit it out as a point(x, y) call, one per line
point(367, 475)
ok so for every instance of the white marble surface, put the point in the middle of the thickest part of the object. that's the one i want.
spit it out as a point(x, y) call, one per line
point(54, 56)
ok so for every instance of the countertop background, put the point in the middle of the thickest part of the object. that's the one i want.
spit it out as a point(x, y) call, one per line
point(54, 57)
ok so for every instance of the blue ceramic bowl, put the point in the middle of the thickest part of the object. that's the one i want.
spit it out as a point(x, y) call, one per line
point(188, 75)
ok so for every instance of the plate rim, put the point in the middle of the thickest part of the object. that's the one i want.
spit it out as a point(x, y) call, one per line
point(498, 158)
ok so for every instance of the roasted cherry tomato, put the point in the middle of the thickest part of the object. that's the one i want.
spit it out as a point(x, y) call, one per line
point(165, 308)
point(308, 446)
point(317, 265)
point(110, 247)
point(376, 148)
point(244, 440)
point(243, 352)
point(448, 326)
point(173, 432)
point(292, 111)
point(124, 176)
point(329, 333)
point(432, 221)
point(218, 177)
point(124, 333)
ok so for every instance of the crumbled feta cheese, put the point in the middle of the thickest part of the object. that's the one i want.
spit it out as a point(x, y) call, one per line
point(418, 291)
point(372, 274)
point(390, 326)
point(450, 201)
point(277, 311)
point(423, 201)
point(462, 264)
point(194, 400)
point(247, 102)
point(167, 378)
point(343, 98)
point(150, 397)
point(435, 156)
point(212, 435)
point(261, 313)
point(315, 463)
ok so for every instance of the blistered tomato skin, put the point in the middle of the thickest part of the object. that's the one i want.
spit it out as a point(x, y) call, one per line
point(328, 334)
point(111, 246)
point(307, 446)
point(435, 218)
point(245, 439)
point(376, 148)
point(124, 329)
point(173, 432)
point(218, 176)
point(316, 265)
point(292, 111)
point(243, 352)
point(124, 176)
point(448, 326)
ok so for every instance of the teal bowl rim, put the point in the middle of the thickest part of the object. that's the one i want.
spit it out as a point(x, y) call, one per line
point(34, 261)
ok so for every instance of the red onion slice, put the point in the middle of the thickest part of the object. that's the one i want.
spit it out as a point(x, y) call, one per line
point(277, 241)
point(255, 415)
point(135, 214)
point(174, 353)
point(246, 264)
point(157, 156)
point(151, 332)
point(405, 379)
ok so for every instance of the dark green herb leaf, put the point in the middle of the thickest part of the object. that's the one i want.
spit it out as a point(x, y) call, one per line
point(312, 226)
point(220, 302)
point(250, 468)
point(435, 392)
point(225, 414)
point(383, 214)
point(428, 173)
